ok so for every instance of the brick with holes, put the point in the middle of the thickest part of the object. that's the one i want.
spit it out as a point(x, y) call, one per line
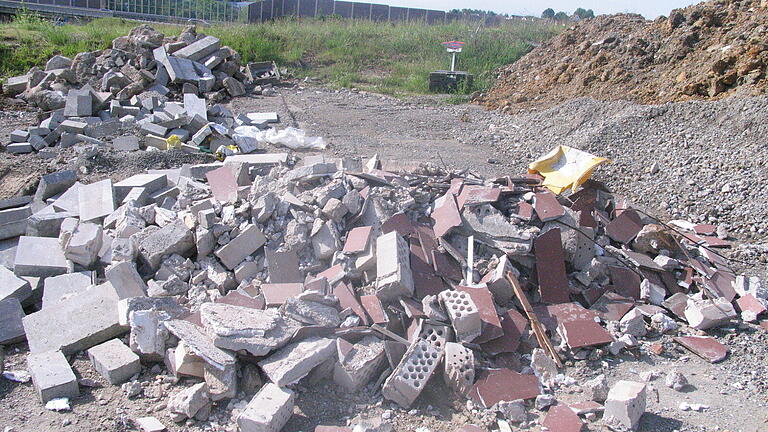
point(464, 315)
point(459, 368)
point(412, 373)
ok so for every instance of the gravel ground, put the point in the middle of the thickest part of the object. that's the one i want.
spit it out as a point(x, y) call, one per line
point(686, 141)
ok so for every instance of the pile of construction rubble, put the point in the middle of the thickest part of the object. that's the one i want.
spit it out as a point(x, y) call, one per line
point(165, 90)
point(258, 270)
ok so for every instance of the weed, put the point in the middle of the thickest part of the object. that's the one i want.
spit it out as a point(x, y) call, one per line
point(392, 58)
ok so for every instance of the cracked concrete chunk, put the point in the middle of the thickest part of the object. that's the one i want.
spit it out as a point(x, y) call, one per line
point(242, 328)
point(295, 361)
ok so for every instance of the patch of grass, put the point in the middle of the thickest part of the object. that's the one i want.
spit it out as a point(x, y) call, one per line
point(381, 57)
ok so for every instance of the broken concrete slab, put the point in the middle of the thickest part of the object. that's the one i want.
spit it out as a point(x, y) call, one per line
point(706, 314)
point(126, 280)
point(295, 361)
point(358, 365)
point(174, 238)
point(95, 200)
point(503, 384)
point(54, 329)
point(200, 343)
point(242, 328)
point(59, 288)
point(12, 286)
point(39, 256)
point(114, 361)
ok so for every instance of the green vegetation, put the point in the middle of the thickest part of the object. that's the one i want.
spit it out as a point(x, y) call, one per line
point(380, 57)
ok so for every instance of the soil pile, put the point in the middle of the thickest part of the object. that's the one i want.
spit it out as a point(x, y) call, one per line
point(712, 50)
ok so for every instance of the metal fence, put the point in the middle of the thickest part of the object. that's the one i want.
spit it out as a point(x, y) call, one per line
point(206, 10)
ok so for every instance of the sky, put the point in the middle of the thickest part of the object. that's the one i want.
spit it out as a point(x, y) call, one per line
point(650, 9)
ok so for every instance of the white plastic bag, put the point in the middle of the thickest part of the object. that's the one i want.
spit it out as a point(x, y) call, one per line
point(295, 139)
point(249, 138)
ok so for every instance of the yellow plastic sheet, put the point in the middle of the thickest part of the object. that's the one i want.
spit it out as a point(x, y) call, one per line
point(565, 167)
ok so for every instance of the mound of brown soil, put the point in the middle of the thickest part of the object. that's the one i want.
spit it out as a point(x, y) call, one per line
point(707, 51)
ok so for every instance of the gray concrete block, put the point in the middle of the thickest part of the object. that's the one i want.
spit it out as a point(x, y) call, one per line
point(39, 256)
point(47, 224)
point(247, 242)
point(73, 126)
point(16, 85)
point(19, 148)
point(114, 361)
point(359, 363)
point(393, 268)
point(79, 104)
point(52, 376)
point(153, 129)
point(14, 215)
point(173, 238)
point(195, 106)
point(199, 49)
point(268, 411)
point(412, 373)
point(463, 313)
point(11, 327)
point(69, 201)
point(150, 182)
point(12, 286)
point(55, 329)
point(126, 280)
point(96, 200)
point(59, 288)
point(126, 143)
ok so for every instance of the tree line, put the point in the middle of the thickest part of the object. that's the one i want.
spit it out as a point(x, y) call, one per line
point(579, 14)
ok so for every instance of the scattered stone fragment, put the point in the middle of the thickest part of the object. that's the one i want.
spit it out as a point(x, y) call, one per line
point(52, 376)
point(114, 361)
point(268, 411)
point(624, 405)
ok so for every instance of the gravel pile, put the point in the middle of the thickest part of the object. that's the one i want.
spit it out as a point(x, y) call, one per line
point(697, 160)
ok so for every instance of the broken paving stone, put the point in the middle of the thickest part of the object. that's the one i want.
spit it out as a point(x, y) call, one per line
point(150, 424)
point(39, 256)
point(295, 361)
point(311, 313)
point(174, 238)
point(12, 286)
point(199, 343)
point(503, 384)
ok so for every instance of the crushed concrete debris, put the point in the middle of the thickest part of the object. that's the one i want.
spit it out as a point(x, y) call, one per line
point(156, 95)
point(278, 275)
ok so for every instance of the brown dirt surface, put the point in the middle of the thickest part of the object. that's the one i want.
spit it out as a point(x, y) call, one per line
point(711, 50)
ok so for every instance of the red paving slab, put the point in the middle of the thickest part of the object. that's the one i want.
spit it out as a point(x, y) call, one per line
point(546, 206)
point(625, 227)
point(612, 306)
point(550, 267)
point(561, 418)
point(625, 281)
point(357, 239)
point(277, 294)
point(374, 309)
point(750, 303)
point(347, 299)
point(705, 347)
point(477, 195)
point(234, 298)
point(446, 216)
point(503, 384)
point(513, 323)
point(484, 301)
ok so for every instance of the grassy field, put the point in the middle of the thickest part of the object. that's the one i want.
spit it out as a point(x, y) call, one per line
point(381, 57)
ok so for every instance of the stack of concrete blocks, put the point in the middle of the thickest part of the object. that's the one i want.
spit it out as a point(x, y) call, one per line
point(464, 315)
point(459, 374)
point(412, 373)
point(393, 267)
point(268, 411)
